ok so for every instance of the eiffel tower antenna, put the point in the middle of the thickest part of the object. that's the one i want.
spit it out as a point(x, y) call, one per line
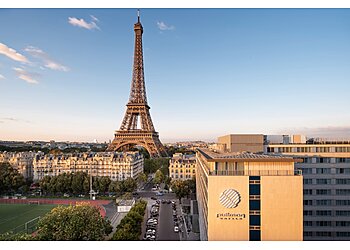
point(137, 109)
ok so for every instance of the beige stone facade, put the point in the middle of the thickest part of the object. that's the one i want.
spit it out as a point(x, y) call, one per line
point(253, 143)
point(182, 167)
point(117, 166)
point(246, 196)
point(22, 161)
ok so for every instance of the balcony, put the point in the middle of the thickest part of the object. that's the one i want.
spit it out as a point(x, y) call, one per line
point(256, 173)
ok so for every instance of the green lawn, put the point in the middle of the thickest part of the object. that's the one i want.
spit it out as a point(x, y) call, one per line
point(13, 216)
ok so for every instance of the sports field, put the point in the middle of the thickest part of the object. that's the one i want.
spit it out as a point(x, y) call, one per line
point(14, 216)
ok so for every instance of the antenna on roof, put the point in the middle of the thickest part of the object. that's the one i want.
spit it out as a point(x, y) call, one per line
point(138, 15)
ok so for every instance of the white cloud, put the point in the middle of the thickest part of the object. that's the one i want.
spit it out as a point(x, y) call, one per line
point(95, 19)
point(83, 24)
point(29, 77)
point(2, 77)
point(13, 54)
point(48, 62)
point(162, 26)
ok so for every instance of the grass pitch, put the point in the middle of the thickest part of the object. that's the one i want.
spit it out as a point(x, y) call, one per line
point(14, 216)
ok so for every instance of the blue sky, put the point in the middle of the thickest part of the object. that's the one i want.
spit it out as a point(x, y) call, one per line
point(208, 72)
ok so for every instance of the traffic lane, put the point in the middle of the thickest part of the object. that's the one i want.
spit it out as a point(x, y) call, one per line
point(166, 224)
point(149, 194)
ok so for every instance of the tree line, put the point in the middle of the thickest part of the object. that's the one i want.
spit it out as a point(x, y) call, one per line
point(130, 227)
point(10, 179)
point(79, 183)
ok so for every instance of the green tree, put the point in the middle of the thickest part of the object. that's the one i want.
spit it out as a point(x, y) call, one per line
point(44, 184)
point(129, 185)
point(141, 178)
point(10, 179)
point(104, 183)
point(180, 188)
point(158, 177)
point(115, 186)
point(80, 222)
point(78, 179)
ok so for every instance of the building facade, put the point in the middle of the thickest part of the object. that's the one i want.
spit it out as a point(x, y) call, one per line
point(182, 167)
point(326, 173)
point(115, 165)
point(240, 197)
point(22, 161)
point(241, 142)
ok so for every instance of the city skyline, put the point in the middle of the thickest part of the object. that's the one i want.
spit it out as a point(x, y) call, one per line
point(65, 74)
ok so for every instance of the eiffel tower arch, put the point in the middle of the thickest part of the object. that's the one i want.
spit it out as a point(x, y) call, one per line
point(137, 110)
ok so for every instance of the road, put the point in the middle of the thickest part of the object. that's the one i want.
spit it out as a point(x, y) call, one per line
point(166, 224)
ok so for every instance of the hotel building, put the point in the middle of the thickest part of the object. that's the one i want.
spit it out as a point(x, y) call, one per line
point(117, 166)
point(246, 196)
point(182, 167)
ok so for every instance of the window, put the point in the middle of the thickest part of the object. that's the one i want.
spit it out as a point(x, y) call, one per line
point(324, 234)
point(323, 181)
point(323, 202)
point(342, 181)
point(307, 223)
point(307, 191)
point(307, 234)
point(254, 235)
point(254, 189)
point(307, 181)
point(323, 213)
point(342, 192)
point(343, 234)
point(254, 205)
point(307, 212)
point(308, 202)
point(323, 170)
point(343, 171)
point(342, 202)
point(323, 191)
point(342, 224)
point(323, 223)
point(254, 220)
point(307, 170)
point(342, 213)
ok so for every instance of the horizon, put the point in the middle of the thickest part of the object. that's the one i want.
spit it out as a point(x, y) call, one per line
point(65, 74)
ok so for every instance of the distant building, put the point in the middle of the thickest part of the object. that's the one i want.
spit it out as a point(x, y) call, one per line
point(253, 143)
point(117, 166)
point(248, 197)
point(182, 167)
point(22, 161)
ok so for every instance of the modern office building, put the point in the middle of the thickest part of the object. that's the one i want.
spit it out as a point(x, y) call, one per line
point(117, 166)
point(182, 167)
point(246, 196)
point(326, 173)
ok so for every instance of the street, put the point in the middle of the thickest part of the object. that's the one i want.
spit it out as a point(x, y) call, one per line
point(166, 224)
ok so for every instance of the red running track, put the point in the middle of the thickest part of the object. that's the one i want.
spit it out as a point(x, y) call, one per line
point(95, 203)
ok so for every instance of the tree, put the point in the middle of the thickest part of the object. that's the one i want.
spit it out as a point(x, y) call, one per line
point(45, 184)
point(10, 179)
point(159, 177)
point(104, 183)
point(180, 188)
point(129, 185)
point(191, 184)
point(142, 177)
point(80, 222)
point(115, 186)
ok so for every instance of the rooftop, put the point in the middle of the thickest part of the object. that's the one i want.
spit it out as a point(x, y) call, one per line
point(215, 155)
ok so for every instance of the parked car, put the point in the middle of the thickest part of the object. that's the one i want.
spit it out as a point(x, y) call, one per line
point(176, 229)
point(159, 194)
point(153, 198)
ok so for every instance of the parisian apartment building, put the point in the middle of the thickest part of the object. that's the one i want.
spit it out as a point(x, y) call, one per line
point(115, 165)
point(22, 161)
point(182, 166)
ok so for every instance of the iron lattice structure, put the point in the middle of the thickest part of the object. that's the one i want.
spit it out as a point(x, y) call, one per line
point(137, 110)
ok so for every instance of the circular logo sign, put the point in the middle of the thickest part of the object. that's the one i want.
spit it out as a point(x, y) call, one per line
point(230, 198)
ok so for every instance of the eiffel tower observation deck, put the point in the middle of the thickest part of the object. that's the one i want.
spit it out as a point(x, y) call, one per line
point(137, 110)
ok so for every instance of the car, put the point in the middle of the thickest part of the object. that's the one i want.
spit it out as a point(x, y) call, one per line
point(65, 195)
point(154, 189)
point(173, 202)
point(153, 198)
point(168, 201)
point(135, 193)
point(176, 229)
point(159, 194)
point(163, 201)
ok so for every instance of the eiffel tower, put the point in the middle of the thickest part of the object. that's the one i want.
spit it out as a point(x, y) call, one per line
point(129, 134)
